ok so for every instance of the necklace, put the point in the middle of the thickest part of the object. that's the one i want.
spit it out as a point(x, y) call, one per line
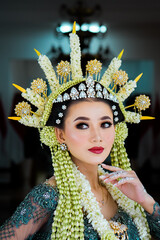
point(99, 223)
point(120, 230)
point(101, 202)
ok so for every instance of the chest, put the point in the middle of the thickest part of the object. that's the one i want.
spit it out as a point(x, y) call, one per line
point(107, 205)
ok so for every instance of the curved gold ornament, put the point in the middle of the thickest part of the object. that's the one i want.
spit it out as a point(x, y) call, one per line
point(138, 77)
point(74, 27)
point(120, 55)
point(19, 88)
point(147, 118)
point(15, 118)
point(38, 53)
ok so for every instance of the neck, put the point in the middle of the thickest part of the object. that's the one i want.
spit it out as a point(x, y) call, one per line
point(91, 174)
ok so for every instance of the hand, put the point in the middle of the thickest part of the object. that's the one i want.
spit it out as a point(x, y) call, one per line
point(127, 182)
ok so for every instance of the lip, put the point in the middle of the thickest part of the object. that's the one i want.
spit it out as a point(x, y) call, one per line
point(96, 150)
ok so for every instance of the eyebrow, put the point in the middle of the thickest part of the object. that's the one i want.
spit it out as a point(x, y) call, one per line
point(87, 119)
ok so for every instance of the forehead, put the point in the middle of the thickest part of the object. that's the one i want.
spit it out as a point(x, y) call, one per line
point(89, 109)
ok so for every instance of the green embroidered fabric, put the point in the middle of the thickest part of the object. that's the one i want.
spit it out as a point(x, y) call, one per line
point(33, 218)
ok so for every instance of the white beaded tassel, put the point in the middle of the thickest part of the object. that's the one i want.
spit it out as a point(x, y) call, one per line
point(47, 68)
point(107, 76)
point(46, 65)
point(75, 55)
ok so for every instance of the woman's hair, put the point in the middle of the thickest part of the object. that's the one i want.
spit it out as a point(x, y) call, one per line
point(57, 108)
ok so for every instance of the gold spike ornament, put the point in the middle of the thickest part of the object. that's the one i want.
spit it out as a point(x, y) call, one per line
point(38, 53)
point(19, 88)
point(74, 27)
point(120, 55)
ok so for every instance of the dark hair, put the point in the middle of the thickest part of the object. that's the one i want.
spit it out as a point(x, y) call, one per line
point(57, 108)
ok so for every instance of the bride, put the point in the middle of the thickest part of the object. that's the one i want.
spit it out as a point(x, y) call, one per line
point(83, 121)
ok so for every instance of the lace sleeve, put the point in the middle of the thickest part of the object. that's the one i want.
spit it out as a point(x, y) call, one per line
point(31, 214)
point(154, 221)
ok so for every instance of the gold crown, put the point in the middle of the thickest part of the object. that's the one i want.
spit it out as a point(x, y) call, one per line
point(69, 74)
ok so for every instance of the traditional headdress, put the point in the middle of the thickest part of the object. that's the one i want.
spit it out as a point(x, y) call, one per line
point(69, 84)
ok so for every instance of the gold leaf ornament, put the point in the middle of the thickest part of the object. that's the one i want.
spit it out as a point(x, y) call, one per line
point(23, 109)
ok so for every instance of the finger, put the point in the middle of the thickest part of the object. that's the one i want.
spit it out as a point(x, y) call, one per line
point(102, 177)
point(118, 174)
point(124, 180)
point(111, 168)
point(113, 175)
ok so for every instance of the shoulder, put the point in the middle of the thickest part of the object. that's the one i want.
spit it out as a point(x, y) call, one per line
point(45, 194)
point(51, 181)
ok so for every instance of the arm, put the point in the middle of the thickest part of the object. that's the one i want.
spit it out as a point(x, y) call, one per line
point(31, 214)
point(154, 221)
point(130, 185)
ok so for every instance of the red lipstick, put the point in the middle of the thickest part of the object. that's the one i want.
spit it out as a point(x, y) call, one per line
point(96, 150)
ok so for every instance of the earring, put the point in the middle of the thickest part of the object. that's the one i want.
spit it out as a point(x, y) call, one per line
point(63, 146)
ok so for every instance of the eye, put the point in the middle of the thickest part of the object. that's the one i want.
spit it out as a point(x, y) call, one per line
point(82, 126)
point(106, 124)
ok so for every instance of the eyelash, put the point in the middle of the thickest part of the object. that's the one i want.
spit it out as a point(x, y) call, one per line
point(103, 125)
point(108, 123)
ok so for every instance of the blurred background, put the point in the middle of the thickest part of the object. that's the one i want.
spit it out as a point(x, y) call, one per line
point(105, 28)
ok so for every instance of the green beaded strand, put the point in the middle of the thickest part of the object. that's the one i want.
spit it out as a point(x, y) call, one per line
point(68, 221)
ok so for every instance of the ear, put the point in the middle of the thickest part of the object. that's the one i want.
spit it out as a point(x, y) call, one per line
point(60, 135)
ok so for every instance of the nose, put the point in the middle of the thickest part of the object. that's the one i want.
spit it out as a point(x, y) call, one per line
point(96, 135)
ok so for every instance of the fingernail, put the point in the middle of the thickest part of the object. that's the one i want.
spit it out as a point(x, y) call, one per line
point(102, 177)
point(103, 165)
point(113, 176)
point(106, 180)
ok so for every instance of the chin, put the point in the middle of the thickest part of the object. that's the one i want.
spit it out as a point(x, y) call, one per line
point(97, 161)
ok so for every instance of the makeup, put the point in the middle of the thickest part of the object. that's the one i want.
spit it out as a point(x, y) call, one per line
point(96, 150)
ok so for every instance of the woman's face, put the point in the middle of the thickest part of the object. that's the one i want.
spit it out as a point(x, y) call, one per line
point(88, 132)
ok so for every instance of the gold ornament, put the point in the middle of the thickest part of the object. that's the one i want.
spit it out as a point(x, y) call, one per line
point(44, 103)
point(120, 78)
point(39, 86)
point(120, 230)
point(63, 69)
point(94, 67)
point(23, 109)
point(142, 102)
point(62, 160)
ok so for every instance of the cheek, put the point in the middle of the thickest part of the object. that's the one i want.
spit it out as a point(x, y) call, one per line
point(74, 137)
point(109, 137)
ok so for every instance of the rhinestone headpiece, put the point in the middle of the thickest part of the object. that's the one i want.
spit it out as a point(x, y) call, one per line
point(70, 74)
